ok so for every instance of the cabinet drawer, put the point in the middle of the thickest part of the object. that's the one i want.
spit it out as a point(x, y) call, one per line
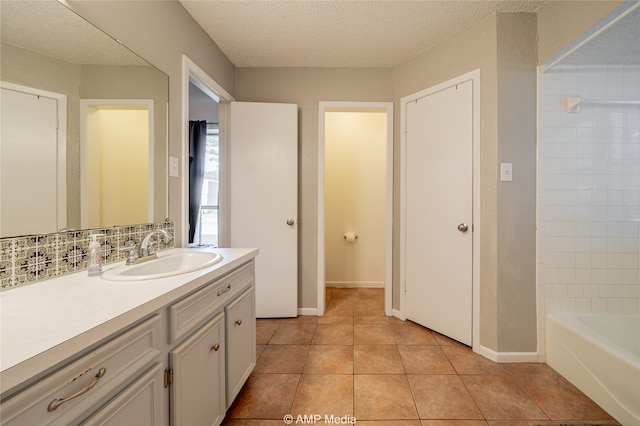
point(140, 403)
point(241, 342)
point(64, 395)
point(193, 310)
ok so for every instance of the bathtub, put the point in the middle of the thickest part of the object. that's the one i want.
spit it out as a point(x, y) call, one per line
point(600, 355)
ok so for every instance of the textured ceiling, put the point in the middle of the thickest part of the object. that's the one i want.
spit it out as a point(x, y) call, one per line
point(301, 33)
point(334, 33)
point(617, 45)
point(51, 29)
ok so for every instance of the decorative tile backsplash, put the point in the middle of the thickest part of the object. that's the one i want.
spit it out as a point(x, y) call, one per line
point(31, 258)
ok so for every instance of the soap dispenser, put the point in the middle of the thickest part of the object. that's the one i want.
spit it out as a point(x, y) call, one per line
point(95, 257)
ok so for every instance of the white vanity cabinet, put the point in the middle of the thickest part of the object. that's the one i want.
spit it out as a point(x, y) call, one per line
point(209, 367)
point(198, 382)
point(65, 396)
point(241, 338)
point(181, 363)
point(140, 403)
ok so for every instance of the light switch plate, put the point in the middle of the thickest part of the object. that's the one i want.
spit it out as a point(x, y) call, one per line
point(174, 168)
point(506, 172)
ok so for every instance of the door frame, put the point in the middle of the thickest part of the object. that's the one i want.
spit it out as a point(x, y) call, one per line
point(362, 107)
point(192, 73)
point(474, 76)
point(61, 101)
point(85, 105)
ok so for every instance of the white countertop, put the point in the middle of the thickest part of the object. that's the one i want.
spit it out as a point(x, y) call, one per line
point(44, 323)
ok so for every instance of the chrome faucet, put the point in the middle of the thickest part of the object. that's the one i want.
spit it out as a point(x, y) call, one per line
point(146, 241)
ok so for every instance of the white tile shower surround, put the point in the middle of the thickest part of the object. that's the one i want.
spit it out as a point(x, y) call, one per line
point(588, 193)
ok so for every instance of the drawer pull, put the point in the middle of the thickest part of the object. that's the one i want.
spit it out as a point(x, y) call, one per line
point(239, 322)
point(58, 402)
point(215, 347)
point(226, 290)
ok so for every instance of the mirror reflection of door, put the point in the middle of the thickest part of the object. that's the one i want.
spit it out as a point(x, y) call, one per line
point(117, 175)
point(32, 170)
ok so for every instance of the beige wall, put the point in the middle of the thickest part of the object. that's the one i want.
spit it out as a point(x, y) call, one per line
point(20, 66)
point(135, 82)
point(516, 200)
point(119, 190)
point(476, 48)
point(60, 77)
point(161, 32)
point(307, 87)
point(355, 197)
point(503, 48)
point(561, 22)
point(471, 50)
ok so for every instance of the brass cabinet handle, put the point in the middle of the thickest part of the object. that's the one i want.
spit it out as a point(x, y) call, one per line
point(226, 290)
point(215, 347)
point(239, 322)
point(58, 402)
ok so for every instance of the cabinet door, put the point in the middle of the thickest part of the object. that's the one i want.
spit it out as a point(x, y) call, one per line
point(241, 342)
point(197, 392)
point(140, 403)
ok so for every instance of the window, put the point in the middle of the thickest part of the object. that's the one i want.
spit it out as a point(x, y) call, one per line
point(207, 229)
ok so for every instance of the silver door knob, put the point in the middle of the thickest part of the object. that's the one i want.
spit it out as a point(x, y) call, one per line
point(463, 227)
point(291, 222)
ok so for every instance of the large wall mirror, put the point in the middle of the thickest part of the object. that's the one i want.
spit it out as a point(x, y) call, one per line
point(83, 125)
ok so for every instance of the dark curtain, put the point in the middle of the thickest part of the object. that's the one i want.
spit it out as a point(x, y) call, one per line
point(197, 152)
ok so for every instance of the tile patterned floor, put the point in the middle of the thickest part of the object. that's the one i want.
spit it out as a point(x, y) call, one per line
point(356, 362)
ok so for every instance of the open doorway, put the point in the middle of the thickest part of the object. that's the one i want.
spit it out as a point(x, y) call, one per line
point(355, 196)
point(110, 179)
point(203, 214)
point(199, 88)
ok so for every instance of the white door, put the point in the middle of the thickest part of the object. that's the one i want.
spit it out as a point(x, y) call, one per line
point(29, 164)
point(263, 199)
point(439, 211)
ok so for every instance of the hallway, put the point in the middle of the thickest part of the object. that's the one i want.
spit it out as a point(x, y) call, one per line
point(358, 363)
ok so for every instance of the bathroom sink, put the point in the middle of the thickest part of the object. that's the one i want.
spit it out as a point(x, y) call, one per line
point(166, 265)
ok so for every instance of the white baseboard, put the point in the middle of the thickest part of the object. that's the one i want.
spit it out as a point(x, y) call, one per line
point(398, 314)
point(353, 284)
point(507, 357)
point(308, 311)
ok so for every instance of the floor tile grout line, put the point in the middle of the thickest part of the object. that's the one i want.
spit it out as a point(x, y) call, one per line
point(512, 375)
point(475, 401)
point(535, 402)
